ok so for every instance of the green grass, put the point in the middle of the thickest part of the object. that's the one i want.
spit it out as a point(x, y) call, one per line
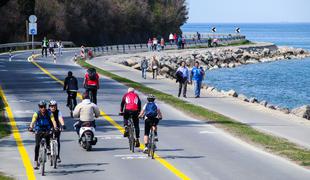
point(276, 145)
point(4, 127)
point(3, 177)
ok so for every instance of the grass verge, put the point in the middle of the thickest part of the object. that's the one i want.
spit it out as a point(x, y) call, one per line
point(4, 127)
point(3, 177)
point(276, 145)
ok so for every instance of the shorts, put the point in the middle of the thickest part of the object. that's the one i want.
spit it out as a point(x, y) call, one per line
point(149, 122)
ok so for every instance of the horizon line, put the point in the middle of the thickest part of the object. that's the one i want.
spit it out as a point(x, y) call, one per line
point(301, 22)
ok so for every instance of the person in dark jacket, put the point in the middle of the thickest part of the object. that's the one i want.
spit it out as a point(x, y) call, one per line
point(144, 66)
point(71, 85)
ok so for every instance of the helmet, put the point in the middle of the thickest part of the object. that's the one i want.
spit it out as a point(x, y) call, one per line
point(42, 103)
point(151, 98)
point(69, 73)
point(53, 103)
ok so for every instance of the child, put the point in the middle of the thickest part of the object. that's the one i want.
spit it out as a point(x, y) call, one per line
point(152, 115)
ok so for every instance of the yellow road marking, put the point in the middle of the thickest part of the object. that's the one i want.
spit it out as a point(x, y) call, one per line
point(165, 163)
point(22, 150)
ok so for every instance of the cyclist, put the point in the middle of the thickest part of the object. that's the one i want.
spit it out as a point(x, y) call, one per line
point(85, 111)
point(152, 115)
point(59, 122)
point(91, 83)
point(71, 85)
point(130, 107)
point(42, 121)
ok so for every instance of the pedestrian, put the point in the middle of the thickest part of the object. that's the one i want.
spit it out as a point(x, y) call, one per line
point(175, 38)
point(198, 36)
point(44, 47)
point(179, 42)
point(144, 66)
point(51, 45)
point(197, 74)
point(82, 52)
point(155, 42)
point(59, 46)
point(149, 44)
point(183, 73)
point(155, 66)
point(183, 42)
point(162, 44)
point(171, 39)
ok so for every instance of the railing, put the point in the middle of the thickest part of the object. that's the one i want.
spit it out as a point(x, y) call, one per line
point(27, 45)
point(223, 39)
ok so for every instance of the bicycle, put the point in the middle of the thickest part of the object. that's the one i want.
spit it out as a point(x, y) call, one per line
point(43, 152)
point(54, 150)
point(71, 101)
point(151, 142)
point(131, 134)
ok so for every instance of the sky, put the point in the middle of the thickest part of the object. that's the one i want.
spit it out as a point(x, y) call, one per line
point(248, 11)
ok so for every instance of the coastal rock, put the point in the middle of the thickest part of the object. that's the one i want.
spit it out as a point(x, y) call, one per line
point(284, 110)
point(253, 100)
point(131, 62)
point(231, 65)
point(125, 63)
point(210, 88)
point(232, 93)
point(164, 70)
point(270, 106)
point(137, 66)
point(263, 103)
point(243, 98)
point(303, 111)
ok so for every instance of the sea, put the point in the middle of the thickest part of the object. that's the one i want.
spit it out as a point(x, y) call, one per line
point(284, 83)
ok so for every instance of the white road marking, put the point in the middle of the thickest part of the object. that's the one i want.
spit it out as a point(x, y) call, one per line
point(109, 137)
point(24, 112)
point(207, 132)
point(3, 70)
point(132, 156)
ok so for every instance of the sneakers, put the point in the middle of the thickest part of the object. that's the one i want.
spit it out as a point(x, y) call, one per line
point(126, 132)
point(58, 160)
point(137, 143)
point(145, 150)
point(156, 138)
point(36, 165)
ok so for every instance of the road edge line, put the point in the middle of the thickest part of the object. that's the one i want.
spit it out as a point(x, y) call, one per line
point(19, 142)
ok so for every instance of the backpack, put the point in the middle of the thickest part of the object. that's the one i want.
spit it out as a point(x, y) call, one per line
point(151, 110)
point(92, 74)
point(43, 123)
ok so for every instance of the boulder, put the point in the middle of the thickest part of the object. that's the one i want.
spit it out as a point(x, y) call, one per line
point(125, 63)
point(232, 93)
point(164, 70)
point(303, 111)
point(131, 62)
point(270, 106)
point(231, 65)
point(243, 98)
point(253, 100)
point(263, 103)
point(137, 66)
point(210, 88)
point(284, 110)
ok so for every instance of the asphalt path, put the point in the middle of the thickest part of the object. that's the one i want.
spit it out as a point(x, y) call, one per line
point(197, 149)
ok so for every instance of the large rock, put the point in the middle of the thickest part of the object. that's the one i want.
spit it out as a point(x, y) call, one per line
point(243, 98)
point(303, 111)
point(253, 100)
point(137, 66)
point(210, 88)
point(263, 103)
point(164, 70)
point(270, 106)
point(131, 62)
point(232, 93)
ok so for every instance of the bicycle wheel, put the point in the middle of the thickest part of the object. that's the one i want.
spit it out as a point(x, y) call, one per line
point(43, 162)
point(149, 144)
point(131, 139)
point(152, 150)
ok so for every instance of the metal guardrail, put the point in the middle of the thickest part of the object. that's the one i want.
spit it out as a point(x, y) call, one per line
point(27, 45)
point(133, 48)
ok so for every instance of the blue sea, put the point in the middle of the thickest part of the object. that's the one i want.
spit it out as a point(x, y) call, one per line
point(283, 83)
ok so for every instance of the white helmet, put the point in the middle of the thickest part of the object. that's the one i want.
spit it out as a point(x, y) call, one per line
point(53, 103)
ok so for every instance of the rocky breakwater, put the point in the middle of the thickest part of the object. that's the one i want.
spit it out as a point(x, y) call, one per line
point(228, 57)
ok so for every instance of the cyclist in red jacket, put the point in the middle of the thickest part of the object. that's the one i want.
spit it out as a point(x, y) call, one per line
point(131, 107)
point(91, 84)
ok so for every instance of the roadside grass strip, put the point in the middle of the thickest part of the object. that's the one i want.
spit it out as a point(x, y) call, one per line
point(270, 143)
point(4, 127)
point(4, 177)
point(19, 142)
point(165, 163)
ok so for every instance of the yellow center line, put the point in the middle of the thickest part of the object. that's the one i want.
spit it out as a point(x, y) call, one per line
point(22, 150)
point(165, 163)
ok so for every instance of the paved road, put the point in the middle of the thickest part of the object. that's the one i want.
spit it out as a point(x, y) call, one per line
point(288, 126)
point(197, 149)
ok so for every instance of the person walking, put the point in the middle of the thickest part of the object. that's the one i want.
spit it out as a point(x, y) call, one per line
point(171, 39)
point(144, 66)
point(59, 46)
point(182, 75)
point(155, 42)
point(155, 66)
point(162, 44)
point(149, 44)
point(44, 47)
point(197, 74)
